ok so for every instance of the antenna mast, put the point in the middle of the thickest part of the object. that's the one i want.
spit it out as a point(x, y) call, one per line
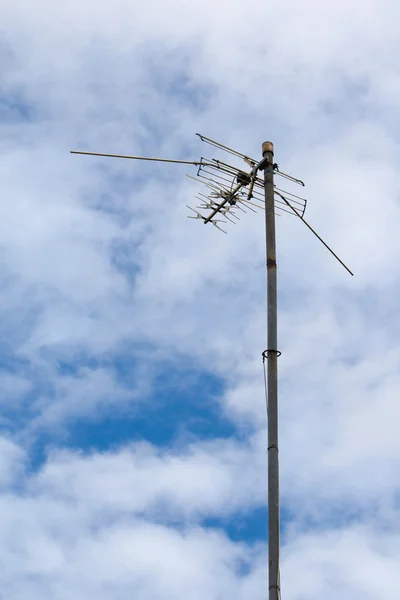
point(229, 190)
point(272, 378)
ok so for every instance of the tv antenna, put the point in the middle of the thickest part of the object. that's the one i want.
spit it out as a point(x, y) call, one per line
point(227, 192)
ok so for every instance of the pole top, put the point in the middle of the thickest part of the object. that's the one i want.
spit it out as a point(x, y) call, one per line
point(268, 147)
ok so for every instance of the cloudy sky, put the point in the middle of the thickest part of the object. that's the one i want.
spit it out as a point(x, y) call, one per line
point(133, 442)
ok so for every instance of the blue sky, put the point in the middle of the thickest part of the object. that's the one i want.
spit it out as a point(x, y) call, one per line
point(133, 428)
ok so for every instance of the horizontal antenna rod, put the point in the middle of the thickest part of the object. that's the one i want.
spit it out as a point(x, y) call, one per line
point(166, 160)
point(290, 177)
point(250, 161)
point(227, 149)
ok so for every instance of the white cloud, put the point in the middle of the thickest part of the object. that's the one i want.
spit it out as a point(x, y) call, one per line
point(55, 543)
point(190, 483)
point(11, 463)
point(97, 253)
point(359, 561)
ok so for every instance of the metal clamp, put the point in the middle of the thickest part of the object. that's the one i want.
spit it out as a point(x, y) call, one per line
point(265, 354)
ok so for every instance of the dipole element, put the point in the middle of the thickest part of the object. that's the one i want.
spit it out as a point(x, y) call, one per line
point(272, 378)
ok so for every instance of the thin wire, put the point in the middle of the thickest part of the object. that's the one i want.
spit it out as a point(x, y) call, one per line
point(265, 384)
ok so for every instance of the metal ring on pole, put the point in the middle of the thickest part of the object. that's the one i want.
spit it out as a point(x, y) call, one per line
point(265, 354)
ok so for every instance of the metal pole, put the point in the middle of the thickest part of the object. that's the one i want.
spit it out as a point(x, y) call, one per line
point(272, 379)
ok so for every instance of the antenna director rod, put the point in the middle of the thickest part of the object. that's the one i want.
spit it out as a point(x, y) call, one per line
point(272, 378)
point(233, 192)
point(166, 160)
point(225, 201)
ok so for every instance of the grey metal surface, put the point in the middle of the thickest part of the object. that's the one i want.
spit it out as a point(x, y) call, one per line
point(272, 379)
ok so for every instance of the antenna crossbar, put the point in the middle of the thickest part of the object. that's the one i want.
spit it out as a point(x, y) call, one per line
point(247, 159)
